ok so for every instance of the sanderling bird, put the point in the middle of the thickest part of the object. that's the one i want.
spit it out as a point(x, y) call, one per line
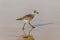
point(27, 18)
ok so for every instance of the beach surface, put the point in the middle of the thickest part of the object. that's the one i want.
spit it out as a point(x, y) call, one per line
point(47, 22)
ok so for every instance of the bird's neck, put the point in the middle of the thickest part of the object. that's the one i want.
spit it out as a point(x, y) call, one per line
point(33, 13)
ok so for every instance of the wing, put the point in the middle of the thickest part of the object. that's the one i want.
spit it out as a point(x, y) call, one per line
point(26, 17)
point(29, 16)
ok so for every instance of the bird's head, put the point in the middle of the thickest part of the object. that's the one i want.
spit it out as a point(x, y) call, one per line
point(35, 12)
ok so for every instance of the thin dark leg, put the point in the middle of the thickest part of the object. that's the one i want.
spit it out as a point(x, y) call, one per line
point(30, 31)
point(23, 27)
point(32, 28)
point(31, 25)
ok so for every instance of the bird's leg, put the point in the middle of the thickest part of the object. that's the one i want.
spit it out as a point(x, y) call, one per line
point(32, 27)
point(30, 31)
point(23, 28)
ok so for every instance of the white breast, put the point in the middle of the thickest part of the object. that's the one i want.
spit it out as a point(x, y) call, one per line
point(26, 21)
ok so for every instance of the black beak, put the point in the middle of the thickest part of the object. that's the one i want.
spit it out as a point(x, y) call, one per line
point(37, 12)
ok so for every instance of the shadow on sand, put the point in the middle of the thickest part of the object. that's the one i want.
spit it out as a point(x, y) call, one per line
point(39, 25)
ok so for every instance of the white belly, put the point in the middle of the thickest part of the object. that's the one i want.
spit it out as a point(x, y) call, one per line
point(26, 21)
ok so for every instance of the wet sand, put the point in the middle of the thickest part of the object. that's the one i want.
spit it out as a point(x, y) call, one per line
point(49, 12)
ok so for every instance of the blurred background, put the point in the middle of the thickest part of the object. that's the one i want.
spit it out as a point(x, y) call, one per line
point(49, 12)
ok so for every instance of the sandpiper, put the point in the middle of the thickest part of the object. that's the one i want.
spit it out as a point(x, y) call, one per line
point(28, 18)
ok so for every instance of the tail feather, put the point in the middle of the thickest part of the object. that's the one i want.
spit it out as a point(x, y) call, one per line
point(19, 19)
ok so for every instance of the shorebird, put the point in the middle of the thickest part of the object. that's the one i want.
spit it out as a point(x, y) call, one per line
point(27, 18)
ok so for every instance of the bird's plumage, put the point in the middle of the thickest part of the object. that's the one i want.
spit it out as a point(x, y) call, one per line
point(28, 18)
